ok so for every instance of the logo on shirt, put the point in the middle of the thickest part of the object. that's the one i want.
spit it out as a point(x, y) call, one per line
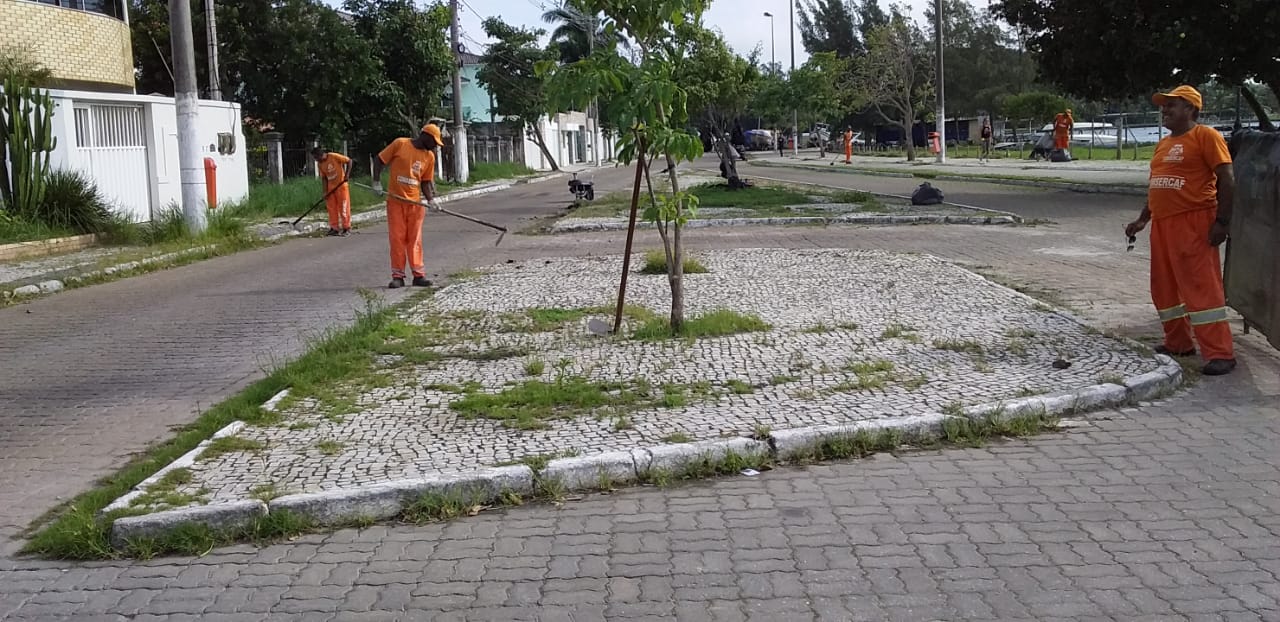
point(1175, 154)
point(416, 169)
point(1168, 183)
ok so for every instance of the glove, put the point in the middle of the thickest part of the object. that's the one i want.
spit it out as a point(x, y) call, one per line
point(433, 205)
point(377, 186)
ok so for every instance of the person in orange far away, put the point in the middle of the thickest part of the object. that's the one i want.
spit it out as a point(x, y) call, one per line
point(335, 169)
point(1189, 208)
point(412, 163)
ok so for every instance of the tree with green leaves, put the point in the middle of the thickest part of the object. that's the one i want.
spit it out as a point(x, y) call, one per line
point(292, 63)
point(412, 46)
point(578, 31)
point(819, 89)
point(508, 71)
point(720, 85)
point(985, 62)
point(1155, 46)
point(652, 117)
point(19, 63)
point(895, 77)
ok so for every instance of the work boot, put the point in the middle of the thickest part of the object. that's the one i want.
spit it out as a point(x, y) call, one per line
point(1219, 367)
point(396, 283)
point(333, 233)
point(346, 232)
point(1162, 349)
point(421, 281)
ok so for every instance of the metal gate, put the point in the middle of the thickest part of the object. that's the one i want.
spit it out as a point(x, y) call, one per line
point(111, 141)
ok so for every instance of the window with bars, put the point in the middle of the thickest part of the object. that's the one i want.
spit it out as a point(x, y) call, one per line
point(114, 8)
point(109, 126)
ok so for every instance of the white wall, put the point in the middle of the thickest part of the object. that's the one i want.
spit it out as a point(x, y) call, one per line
point(553, 129)
point(162, 177)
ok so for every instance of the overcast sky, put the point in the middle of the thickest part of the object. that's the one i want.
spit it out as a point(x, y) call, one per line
point(741, 21)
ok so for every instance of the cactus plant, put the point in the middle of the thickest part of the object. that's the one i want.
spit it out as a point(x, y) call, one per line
point(26, 142)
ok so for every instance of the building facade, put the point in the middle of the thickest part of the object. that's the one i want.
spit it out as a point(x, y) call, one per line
point(84, 43)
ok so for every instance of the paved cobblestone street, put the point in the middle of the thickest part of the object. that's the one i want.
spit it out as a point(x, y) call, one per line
point(1170, 511)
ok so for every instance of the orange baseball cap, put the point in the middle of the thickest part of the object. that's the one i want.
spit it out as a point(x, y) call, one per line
point(434, 131)
point(1188, 93)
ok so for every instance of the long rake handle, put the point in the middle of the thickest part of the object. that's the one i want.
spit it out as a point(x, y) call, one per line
point(443, 210)
point(317, 203)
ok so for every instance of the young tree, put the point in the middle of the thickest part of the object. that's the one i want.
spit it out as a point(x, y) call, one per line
point(652, 116)
point(896, 75)
point(508, 70)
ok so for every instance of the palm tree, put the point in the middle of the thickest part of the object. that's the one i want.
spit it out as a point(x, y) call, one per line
point(574, 25)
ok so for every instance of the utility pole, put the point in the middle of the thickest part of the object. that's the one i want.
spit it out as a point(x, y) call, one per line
point(593, 115)
point(795, 115)
point(460, 163)
point(188, 104)
point(942, 91)
point(211, 30)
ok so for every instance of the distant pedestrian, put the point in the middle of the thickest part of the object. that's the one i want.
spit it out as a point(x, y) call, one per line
point(335, 170)
point(986, 140)
point(848, 145)
point(1062, 125)
point(781, 141)
point(1189, 207)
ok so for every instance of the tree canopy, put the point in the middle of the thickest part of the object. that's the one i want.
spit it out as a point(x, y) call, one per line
point(509, 72)
point(1123, 48)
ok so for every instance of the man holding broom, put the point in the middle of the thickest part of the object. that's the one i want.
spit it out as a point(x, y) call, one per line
point(412, 163)
point(335, 169)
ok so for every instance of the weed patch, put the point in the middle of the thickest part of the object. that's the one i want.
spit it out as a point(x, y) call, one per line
point(717, 323)
point(655, 262)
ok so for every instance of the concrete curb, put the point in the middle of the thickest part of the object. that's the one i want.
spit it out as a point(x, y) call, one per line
point(219, 517)
point(184, 461)
point(592, 472)
point(52, 286)
point(568, 226)
point(1124, 189)
point(387, 500)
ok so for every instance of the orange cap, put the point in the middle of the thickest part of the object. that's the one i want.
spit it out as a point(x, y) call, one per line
point(1190, 94)
point(434, 131)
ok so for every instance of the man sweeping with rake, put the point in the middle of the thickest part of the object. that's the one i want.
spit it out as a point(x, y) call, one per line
point(412, 163)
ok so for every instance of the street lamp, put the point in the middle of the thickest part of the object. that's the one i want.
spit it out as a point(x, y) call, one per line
point(942, 92)
point(773, 46)
point(795, 115)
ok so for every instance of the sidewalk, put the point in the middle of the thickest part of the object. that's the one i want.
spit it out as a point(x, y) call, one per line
point(49, 274)
point(1126, 176)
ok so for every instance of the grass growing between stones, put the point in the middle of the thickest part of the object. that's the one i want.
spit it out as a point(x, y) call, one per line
point(719, 323)
point(74, 531)
point(655, 262)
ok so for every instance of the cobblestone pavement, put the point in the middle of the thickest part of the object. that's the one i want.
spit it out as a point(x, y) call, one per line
point(854, 337)
point(1169, 512)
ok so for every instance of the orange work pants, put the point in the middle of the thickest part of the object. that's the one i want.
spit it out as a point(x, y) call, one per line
point(1061, 140)
point(339, 206)
point(848, 153)
point(1186, 285)
point(404, 231)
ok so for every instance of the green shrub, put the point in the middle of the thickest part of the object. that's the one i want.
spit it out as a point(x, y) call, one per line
point(72, 201)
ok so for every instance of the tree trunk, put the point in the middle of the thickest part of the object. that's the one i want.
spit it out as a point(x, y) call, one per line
point(911, 142)
point(1264, 123)
point(536, 134)
point(675, 264)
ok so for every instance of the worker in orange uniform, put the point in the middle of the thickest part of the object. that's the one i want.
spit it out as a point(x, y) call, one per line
point(1062, 125)
point(848, 145)
point(335, 169)
point(413, 164)
point(1189, 207)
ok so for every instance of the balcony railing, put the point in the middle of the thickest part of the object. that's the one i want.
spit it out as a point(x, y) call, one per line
point(113, 8)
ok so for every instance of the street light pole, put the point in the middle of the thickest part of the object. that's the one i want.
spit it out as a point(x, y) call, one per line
point(795, 115)
point(942, 91)
point(773, 43)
